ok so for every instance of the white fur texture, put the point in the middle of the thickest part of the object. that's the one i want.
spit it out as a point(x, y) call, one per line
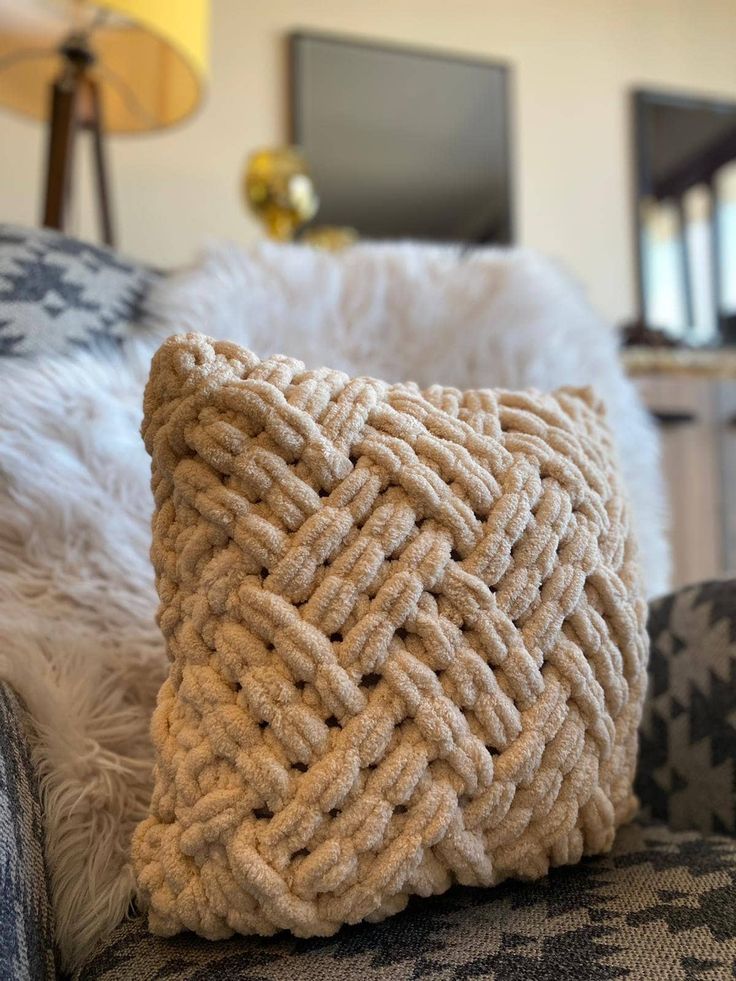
point(505, 318)
point(77, 634)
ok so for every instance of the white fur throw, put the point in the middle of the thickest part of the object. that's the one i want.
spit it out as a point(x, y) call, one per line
point(488, 318)
point(77, 637)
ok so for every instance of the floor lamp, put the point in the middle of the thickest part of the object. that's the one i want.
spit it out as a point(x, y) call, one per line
point(108, 66)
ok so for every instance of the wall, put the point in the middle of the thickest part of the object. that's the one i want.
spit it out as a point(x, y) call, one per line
point(575, 61)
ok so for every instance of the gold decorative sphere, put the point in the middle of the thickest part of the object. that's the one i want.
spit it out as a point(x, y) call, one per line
point(278, 189)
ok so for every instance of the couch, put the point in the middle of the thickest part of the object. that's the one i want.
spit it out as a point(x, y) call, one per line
point(661, 905)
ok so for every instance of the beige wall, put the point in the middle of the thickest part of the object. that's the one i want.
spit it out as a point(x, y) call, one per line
point(574, 61)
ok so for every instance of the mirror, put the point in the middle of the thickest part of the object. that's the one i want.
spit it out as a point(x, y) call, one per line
point(686, 216)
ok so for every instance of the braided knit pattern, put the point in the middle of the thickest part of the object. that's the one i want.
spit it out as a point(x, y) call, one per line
point(407, 642)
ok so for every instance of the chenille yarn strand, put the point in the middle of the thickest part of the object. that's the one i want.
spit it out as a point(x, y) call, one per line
point(407, 642)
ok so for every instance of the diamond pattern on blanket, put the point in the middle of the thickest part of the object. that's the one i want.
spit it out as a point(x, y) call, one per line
point(661, 906)
point(687, 768)
point(58, 293)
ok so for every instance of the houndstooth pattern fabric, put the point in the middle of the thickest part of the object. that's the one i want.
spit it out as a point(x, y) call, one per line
point(687, 769)
point(407, 641)
point(58, 294)
point(660, 907)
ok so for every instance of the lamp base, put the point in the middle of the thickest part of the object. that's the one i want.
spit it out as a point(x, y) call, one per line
point(75, 106)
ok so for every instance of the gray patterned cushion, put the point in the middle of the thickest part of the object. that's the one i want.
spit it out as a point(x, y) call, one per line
point(661, 906)
point(57, 293)
point(26, 929)
point(687, 768)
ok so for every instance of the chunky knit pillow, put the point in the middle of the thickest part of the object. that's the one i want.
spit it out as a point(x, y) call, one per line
point(406, 634)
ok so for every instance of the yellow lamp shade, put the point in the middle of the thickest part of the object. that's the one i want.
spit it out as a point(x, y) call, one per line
point(151, 56)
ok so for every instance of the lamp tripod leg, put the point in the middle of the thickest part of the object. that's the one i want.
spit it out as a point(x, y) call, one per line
point(75, 104)
point(104, 205)
point(62, 131)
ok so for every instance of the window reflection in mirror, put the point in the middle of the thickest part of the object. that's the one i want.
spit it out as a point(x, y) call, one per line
point(686, 216)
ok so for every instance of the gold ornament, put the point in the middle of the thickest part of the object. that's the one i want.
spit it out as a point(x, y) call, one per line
point(278, 189)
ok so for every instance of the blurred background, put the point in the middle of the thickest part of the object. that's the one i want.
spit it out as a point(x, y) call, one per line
point(563, 109)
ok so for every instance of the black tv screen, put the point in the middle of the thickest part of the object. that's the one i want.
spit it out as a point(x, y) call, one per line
point(403, 143)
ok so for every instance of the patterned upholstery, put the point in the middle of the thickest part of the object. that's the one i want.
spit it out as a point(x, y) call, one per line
point(687, 764)
point(57, 293)
point(26, 929)
point(660, 907)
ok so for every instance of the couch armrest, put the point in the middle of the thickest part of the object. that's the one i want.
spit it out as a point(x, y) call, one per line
point(26, 926)
point(687, 765)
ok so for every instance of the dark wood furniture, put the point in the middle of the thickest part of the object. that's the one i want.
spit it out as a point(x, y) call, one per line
point(75, 106)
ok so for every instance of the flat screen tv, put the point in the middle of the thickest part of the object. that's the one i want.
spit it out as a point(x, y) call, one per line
point(403, 143)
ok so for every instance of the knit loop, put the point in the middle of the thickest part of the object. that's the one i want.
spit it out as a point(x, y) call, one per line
point(407, 641)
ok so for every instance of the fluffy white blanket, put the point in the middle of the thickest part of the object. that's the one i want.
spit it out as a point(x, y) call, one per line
point(505, 318)
point(77, 633)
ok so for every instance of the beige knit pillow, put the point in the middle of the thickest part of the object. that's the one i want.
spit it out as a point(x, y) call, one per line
point(406, 634)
